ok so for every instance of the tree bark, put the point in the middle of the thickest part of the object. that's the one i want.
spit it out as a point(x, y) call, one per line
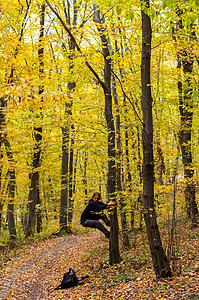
point(114, 255)
point(85, 183)
point(34, 194)
point(70, 192)
point(63, 220)
point(67, 153)
point(122, 203)
point(185, 60)
point(2, 124)
point(160, 261)
point(11, 191)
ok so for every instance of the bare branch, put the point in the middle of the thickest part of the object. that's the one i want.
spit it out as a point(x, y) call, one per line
point(76, 44)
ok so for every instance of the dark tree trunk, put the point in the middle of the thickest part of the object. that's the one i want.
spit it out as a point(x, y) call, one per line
point(2, 124)
point(160, 164)
point(67, 153)
point(63, 221)
point(85, 178)
point(75, 173)
point(120, 181)
point(11, 191)
point(114, 255)
point(185, 60)
point(34, 197)
point(160, 261)
point(125, 238)
point(70, 192)
point(41, 90)
point(66, 163)
point(1, 200)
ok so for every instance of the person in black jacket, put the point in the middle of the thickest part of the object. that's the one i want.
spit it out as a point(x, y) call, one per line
point(93, 213)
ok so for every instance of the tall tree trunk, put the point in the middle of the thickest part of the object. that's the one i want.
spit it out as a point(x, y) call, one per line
point(63, 221)
point(114, 255)
point(70, 192)
point(127, 183)
point(125, 237)
point(67, 154)
point(85, 178)
point(1, 194)
point(11, 191)
point(34, 197)
point(2, 124)
point(122, 203)
point(185, 60)
point(160, 261)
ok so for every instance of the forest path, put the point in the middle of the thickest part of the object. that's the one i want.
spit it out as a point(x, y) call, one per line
point(34, 270)
point(37, 269)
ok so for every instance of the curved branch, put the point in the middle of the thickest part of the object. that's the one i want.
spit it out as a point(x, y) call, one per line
point(76, 44)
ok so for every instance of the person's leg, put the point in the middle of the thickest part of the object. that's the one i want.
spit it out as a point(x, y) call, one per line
point(98, 225)
point(106, 220)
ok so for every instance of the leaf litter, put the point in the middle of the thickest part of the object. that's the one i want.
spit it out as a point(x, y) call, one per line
point(34, 270)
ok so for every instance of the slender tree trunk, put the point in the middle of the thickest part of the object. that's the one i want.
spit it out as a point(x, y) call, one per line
point(160, 163)
point(185, 60)
point(85, 178)
point(11, 191)
point(72, 195)
point(114, 255)
point(67, 161)
point(67, 153)
point(127, 183)
point(41, 90)
point(2, 124)
point(125, 238)
point(63, 221)
point(34, 194)
point(75, 173)
point(160, 261)
point(70, 192)
point(122, 203)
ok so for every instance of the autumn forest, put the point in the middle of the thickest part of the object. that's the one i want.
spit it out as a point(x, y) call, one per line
point(99, 97)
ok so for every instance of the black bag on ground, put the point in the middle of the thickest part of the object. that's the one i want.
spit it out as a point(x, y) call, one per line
point(70, 279)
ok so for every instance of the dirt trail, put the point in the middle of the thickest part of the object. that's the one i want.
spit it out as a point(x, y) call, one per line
point(41, 268)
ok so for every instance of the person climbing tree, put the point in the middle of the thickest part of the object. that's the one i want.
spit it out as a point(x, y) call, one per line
point(93, 212)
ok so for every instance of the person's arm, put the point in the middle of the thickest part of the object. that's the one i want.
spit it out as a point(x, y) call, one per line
point(97, 207)
point(111, 203)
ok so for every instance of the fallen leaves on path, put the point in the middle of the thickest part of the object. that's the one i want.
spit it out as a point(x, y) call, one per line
point(36, 269)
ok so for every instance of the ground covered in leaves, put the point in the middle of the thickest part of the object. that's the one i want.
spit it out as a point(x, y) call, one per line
point(35, 269)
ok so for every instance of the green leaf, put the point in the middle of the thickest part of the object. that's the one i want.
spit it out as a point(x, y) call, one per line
point(118, 9)
point(164, 4)
point(169, 3)
point(129, 15)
